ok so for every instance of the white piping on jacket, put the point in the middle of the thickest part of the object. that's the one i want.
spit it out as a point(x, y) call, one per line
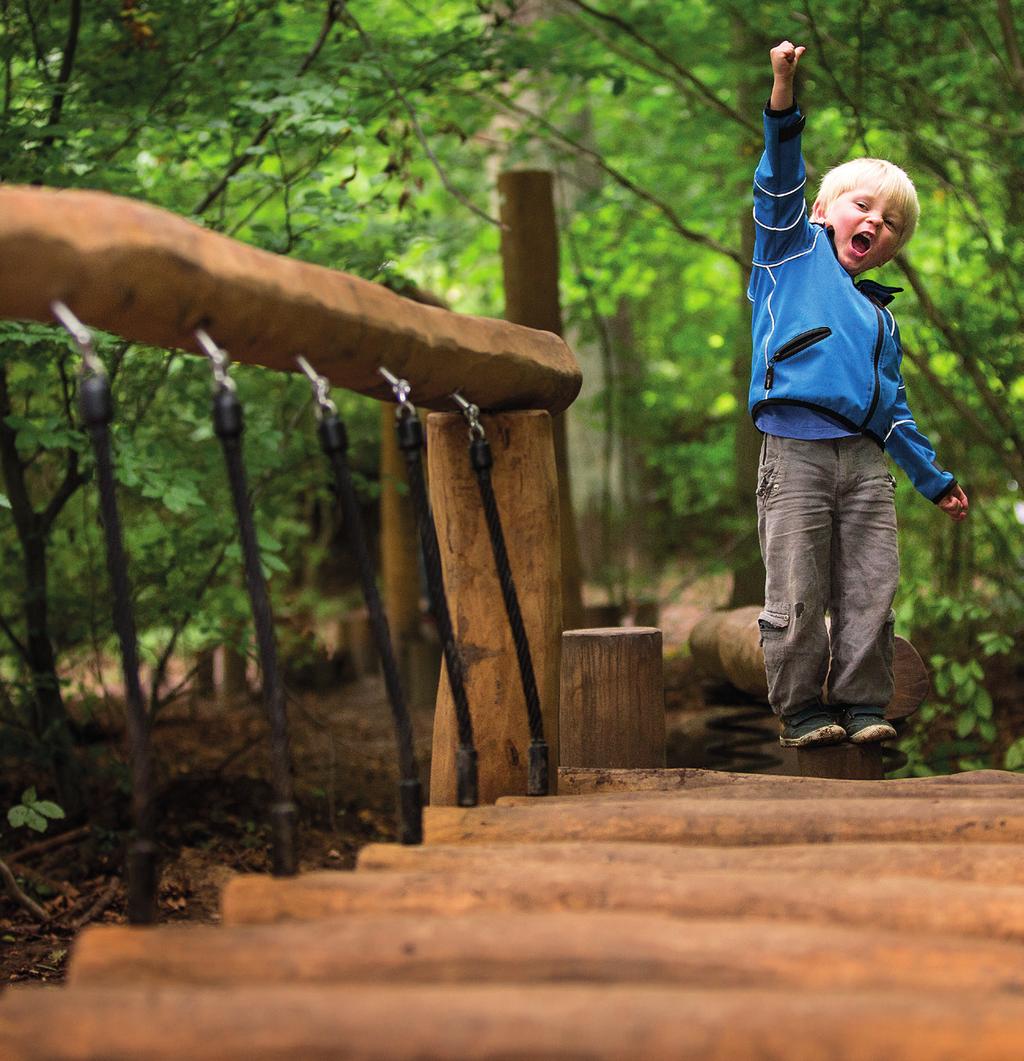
point(896, 424)
point(785, 228)
point(780, 195)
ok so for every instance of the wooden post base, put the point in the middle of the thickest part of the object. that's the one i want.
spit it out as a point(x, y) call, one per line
point(861, 762)
point(612, 698)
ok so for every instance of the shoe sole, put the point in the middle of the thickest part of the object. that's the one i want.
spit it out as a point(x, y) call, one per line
point(822, 735)
point(873, 734)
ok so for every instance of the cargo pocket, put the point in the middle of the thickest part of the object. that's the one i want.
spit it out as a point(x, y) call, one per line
point(773, 623)
point(767, 482)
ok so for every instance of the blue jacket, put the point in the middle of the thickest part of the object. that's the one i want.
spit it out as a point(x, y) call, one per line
point(820, 340)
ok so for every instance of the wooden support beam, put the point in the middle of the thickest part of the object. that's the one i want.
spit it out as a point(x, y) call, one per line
point(463, 1022)
point(612, 698)
point(526, 490)
point(525, 948)
point(888, 902)
point(153, 277)
point(980, 863)
point(730, 822)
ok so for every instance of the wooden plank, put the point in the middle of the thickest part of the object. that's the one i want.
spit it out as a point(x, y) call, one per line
point(578, 779)
point(820, 788)
point(599, 947)
point(980, 863)
point(153, 277)
point(731, 822)
point(954, 908)
point(281, 1023)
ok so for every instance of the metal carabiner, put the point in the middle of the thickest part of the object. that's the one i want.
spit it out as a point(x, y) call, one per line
point(219, 361)
point(472, 414)
point(401, 390)
point(82, 338)
point(321, 389)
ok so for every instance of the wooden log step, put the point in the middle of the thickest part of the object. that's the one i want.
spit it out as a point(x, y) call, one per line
point(732, 822)
point(944, 907)
point(485, 1021)
point(980, 863)
point(531, 948)
point(818, 789)
point(577, 780)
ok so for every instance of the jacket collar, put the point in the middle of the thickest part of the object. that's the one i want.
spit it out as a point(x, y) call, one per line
point(880, 293)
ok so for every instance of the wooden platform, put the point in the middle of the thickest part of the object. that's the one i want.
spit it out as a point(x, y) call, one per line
point(648, 914)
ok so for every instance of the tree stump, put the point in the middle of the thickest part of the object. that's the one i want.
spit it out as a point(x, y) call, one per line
point(612, 698)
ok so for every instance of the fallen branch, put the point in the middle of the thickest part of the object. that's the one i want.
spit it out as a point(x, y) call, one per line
point(51, 842)
point(19, 896)
point(104, 900)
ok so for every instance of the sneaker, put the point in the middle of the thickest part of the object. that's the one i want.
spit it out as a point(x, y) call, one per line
point(866, 725)
point(810, 726)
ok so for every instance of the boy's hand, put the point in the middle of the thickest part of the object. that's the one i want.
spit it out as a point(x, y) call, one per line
point(785, 58)
point(955, 504)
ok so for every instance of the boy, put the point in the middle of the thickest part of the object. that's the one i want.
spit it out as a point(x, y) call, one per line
point(827, 394)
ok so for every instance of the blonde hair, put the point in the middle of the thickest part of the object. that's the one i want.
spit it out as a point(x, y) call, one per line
point(885, 179)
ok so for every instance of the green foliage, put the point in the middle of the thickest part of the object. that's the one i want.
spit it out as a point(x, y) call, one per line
point(34, 812)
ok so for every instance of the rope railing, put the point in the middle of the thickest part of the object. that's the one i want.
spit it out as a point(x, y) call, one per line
point(151, 277)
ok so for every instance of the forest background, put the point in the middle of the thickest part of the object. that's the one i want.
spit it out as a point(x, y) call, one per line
point(368, 137)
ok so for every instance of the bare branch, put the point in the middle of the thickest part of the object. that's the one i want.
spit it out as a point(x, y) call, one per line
point(66, 66)
point(415, 122)
point(1006, 23)
point(8, 630)
point(243, 157)
point(620, 178)
point(702, 89)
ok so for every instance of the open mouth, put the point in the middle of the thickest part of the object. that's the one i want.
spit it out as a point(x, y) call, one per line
point(861, 243)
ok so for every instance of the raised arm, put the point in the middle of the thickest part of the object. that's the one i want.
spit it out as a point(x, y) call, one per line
point(785, 59)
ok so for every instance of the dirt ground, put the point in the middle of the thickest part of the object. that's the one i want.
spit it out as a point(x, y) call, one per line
point(213, 798)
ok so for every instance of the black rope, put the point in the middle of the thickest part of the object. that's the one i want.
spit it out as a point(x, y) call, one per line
point(334, 441)
point(411, 443)
point(96, 408)
point(481, 459)
point(229, 425)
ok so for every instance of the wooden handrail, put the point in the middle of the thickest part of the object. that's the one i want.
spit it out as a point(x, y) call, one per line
point(150, 276)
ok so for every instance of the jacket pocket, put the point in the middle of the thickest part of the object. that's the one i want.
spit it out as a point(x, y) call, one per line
point(794, 346)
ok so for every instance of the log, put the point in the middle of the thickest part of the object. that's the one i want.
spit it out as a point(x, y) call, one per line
point(542, 947)
point(941, 907)
point(153, 277)
point(579, 780)
point(498, 1021)
point(979, 863)
point(612, 698)
point(824, 789)
point(729, 822)
point(727, 645)
point(526, 490)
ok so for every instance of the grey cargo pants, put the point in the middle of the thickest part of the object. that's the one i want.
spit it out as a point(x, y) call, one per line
point(827, 524)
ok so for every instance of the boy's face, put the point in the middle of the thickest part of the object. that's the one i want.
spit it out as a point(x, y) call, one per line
point(866, 229)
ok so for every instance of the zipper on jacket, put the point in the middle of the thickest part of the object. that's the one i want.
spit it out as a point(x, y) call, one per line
point(794, 346)
point(877, 357)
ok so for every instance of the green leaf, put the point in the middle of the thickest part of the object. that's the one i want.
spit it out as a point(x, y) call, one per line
point(18, 816)
point(1014, 757)
point(36, 821)
point(4, 503)
point(29, 795)
point(50, 810)
point(965, 723)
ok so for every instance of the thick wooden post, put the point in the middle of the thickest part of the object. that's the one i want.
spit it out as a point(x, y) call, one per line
point(526, 488)
point(529, 258)
point(612, 698)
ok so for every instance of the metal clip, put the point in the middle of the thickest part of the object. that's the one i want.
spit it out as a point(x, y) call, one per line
point(401, 390)
point(472, 414)
point(82, 338)
point(321, 389)
point(219, 361)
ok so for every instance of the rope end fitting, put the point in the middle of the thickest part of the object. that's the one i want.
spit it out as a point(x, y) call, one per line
point(539, 775)
point(410, 812)
point(282, 828)
point(467, 792)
